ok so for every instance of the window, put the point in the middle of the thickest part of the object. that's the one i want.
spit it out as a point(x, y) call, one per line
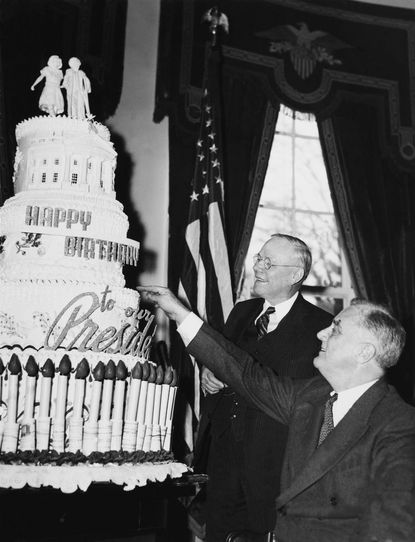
point(74, 178)
point(43, 177)
point(296, 200)
point(56, 161)
point(55, 177)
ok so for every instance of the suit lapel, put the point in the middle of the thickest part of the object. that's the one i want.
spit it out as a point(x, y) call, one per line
point(280, 338)
point(315, 462)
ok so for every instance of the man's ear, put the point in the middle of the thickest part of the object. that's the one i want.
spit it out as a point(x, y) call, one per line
point(366, 352)
point(298, 275)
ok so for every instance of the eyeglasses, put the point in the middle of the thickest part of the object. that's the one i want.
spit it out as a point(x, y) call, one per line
point(267, 262)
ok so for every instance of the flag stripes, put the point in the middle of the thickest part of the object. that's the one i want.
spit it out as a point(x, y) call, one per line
point(205, 281)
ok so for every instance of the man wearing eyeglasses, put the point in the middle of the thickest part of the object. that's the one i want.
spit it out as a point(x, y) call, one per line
point(278, 328)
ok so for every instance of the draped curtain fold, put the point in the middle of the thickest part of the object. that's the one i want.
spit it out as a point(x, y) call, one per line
point(374, 201)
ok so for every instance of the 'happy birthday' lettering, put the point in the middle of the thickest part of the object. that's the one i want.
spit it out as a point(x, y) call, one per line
point(53, 217)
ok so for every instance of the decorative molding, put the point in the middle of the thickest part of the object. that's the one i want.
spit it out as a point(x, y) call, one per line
point(405, 134)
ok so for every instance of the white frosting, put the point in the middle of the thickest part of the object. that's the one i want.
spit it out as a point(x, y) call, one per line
point(62, 246)
point(28, 309)
point(43, 258)
point(34, 211)
point(70, 479)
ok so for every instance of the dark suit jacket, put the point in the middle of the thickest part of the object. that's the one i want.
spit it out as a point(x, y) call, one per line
point(289, 350)
point(359, 485)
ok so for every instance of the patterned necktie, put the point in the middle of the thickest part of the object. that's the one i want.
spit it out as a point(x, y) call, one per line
point(263, 321)
point(327, 424)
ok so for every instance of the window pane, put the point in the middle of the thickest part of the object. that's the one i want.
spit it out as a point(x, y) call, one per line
point(306, 126)
point(319, 231)
point(277, 189)
point(285, 122)
point(311, 185)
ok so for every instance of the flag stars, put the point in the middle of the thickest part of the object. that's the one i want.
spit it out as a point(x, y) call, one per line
point(199, 143)
point(208, 123)
point(205, 189)
point(213, 148)
point(208, 108)
point(204, 173)
point(201, 157)
point(212, 135)
point(194, 196)
point(215, 163)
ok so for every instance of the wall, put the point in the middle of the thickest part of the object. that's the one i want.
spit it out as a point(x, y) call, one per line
point(146, 144)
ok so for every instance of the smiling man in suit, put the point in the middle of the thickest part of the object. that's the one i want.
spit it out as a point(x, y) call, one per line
point(349, 469)
point(279, 329)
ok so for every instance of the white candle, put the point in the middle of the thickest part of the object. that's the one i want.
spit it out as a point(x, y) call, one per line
point(98, 373)
point(82, 371)
point(15, 369)
point(165, 390)
point(148, 418)
point(142, 400)
point(1, 381)
point(157, 395)
point(48, 372)
point(62, 391)
point(134, 392)
point(106, 402)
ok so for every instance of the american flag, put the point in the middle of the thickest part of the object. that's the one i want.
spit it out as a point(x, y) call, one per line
point(205, 279)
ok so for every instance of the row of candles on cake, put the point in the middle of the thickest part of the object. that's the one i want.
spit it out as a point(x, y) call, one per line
point(146, 397)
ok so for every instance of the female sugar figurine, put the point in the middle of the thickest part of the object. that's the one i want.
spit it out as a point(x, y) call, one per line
point(51, 99)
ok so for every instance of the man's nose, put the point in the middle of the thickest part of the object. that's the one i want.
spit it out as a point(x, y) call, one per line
point(323, 333)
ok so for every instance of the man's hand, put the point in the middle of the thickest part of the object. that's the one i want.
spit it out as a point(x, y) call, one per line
point(209, 382)
point(163, 298)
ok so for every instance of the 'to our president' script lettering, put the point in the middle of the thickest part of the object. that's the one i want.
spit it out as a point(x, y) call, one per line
point(76, 320)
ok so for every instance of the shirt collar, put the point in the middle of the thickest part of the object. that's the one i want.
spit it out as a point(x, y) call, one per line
point(281, 309)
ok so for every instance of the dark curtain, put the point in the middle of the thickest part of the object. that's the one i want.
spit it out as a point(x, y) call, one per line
point(374, 198)
point(249, 117)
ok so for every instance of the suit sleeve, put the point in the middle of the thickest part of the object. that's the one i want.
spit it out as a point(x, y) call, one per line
point(257, 383)
point(390, 512)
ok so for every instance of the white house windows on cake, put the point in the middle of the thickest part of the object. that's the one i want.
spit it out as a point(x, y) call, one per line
point(75, 171)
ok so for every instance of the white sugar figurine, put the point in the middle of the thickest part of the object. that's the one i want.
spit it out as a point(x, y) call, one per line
point(77, 87)
point(51, 99)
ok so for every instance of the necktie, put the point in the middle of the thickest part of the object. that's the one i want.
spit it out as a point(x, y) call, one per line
point(327, 424)
point(263, 321)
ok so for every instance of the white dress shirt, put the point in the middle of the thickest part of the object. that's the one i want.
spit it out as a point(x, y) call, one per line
point(347, 398)
point(281, 310)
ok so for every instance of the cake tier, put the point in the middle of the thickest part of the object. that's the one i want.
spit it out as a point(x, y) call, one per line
point(58, 153)
point(57, 317)
point(64, 213)
point(31, 256)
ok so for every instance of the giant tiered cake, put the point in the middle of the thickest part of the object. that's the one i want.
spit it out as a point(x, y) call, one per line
point(76, 383)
